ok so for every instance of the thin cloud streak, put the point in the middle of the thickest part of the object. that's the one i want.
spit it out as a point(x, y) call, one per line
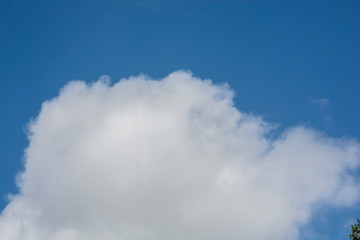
point(324, 107)
point(322, 102)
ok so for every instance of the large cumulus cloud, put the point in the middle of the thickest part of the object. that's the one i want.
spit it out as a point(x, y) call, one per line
point(170, 159)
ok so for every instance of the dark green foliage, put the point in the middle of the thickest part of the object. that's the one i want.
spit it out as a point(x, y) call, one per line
point(355, 231)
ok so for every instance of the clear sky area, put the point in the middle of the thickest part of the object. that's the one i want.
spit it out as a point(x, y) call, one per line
point(290, 64)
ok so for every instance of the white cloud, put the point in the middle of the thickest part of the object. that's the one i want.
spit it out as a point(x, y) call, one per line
point(170, 159)
point(323, 105)
point(322, 102)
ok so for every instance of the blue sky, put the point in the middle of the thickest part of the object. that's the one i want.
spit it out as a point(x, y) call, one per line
point(292, 62)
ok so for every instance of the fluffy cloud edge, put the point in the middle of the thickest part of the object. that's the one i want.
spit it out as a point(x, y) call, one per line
point(291, 174)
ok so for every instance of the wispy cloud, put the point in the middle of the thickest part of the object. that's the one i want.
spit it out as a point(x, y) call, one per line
point(170, 159)
point(322, 102)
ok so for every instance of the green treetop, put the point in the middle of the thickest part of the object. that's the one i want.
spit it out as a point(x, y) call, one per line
point(355, 231)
